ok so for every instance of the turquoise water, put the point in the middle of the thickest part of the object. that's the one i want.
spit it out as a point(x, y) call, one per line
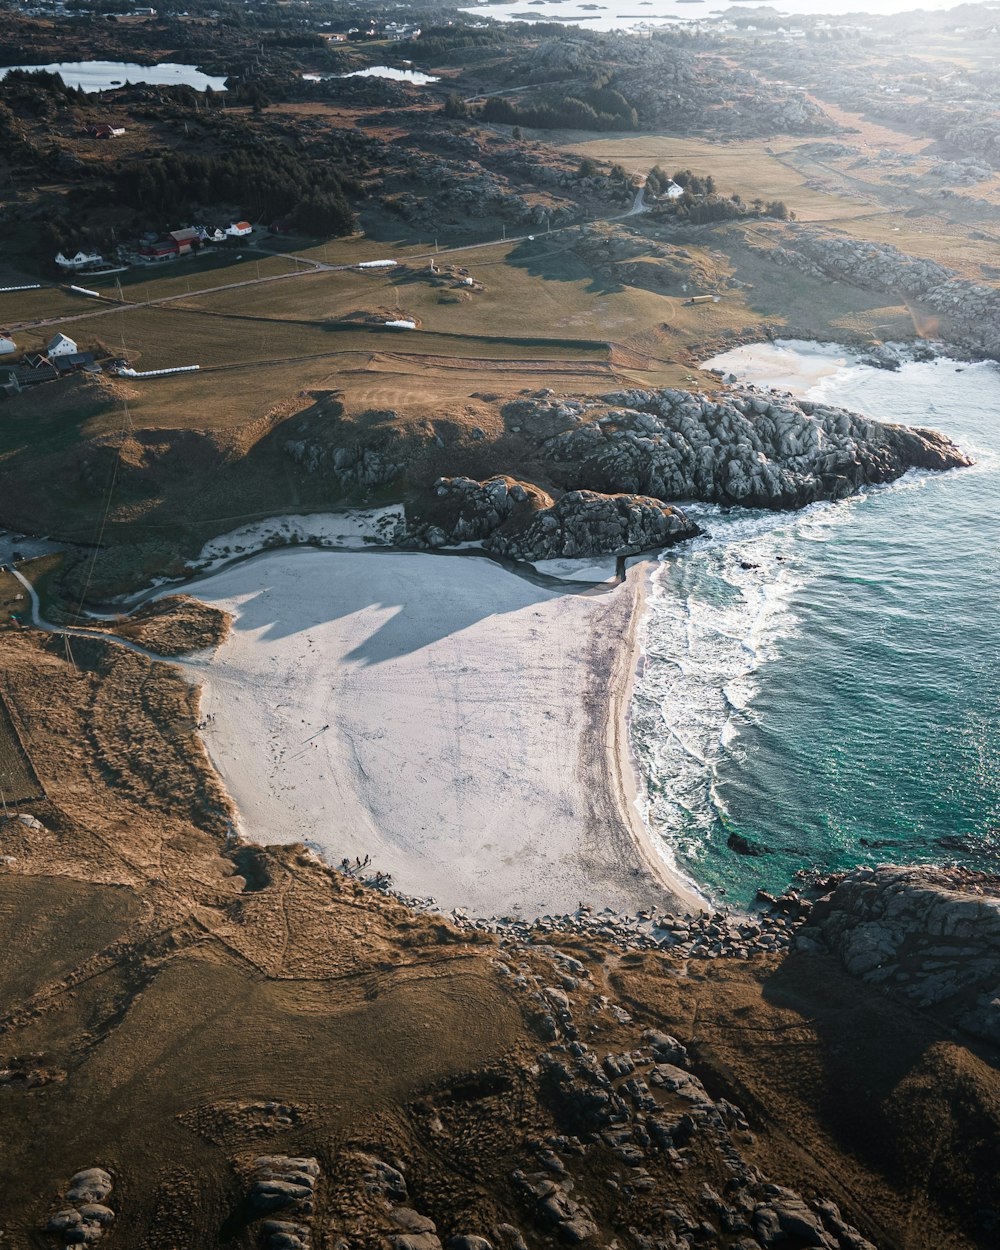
point(826, 685)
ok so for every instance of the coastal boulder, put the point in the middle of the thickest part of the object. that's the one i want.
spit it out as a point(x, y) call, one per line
point(511, 518)
point(931, 933)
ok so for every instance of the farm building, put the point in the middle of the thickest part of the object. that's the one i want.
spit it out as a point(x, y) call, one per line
point(238, 229)
point(186, 240)
point(7, 345)
point(73, 362)
point(60, 345)
point(161, 249)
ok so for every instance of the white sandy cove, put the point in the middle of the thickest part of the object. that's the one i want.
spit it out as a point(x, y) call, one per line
point(450, 719)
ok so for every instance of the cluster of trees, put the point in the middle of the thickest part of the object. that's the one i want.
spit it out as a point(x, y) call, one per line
point(658, 180)
point(438, 45)
point(37, 93)
point(268, 180)
point(701, 203)
point(595, 108)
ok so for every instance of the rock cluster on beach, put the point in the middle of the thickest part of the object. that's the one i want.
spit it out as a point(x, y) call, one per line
point(513, 520)
point(706, 934)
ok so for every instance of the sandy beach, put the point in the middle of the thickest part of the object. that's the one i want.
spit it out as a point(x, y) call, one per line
point(459, 724)
point(792, 365)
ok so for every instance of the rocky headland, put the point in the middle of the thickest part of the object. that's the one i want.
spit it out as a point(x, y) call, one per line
point(623, 462)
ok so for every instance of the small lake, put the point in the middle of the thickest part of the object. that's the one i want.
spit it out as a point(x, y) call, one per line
point(106, 75)
point(379, 71)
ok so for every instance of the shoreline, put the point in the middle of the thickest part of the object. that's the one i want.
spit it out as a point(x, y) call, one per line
point(628, 778)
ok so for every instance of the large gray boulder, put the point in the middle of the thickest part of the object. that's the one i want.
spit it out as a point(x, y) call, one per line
point(511, 519)
point(931, 933)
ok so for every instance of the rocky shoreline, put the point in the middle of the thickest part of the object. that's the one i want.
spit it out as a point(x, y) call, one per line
point(930, 933)
point(625, 460)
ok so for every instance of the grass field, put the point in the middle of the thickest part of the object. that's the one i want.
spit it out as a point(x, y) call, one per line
point(754, 168)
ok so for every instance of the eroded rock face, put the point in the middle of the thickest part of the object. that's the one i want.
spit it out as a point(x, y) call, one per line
point(931, 933)
point(514, 520)
point(749, 448)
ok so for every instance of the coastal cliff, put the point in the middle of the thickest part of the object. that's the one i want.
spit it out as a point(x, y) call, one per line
point(623, 462)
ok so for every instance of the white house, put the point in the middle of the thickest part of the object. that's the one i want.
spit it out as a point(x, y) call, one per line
point(7, 345)
point(60, 345)
point(79, 260)
point(238, 229)
point(674, 192)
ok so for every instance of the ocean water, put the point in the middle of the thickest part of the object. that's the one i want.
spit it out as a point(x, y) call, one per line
point(641, 14)
point(826, 684)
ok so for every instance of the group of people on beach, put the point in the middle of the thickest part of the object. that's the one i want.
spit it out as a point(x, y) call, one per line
point(381, 880)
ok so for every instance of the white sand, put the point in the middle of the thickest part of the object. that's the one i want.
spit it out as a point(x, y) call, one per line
point(355, 528)
point(455, 722)
point(793, 365)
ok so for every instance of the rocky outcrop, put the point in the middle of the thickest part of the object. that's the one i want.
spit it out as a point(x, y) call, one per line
point(931, 933)
point(286, 1184)
point(750, 448)
point(88, 1218)
point(659, 447)
point(971, 308)
point(521, 522)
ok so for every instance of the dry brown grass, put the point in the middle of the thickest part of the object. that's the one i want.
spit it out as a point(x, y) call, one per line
point(174, 996)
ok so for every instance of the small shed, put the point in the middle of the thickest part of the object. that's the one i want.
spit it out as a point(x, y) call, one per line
point(60, 345)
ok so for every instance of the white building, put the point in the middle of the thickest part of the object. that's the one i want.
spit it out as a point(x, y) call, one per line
point(7, 345)
point(238, 229)
point(60, 345)
point(674, 192)
point(79, 260)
